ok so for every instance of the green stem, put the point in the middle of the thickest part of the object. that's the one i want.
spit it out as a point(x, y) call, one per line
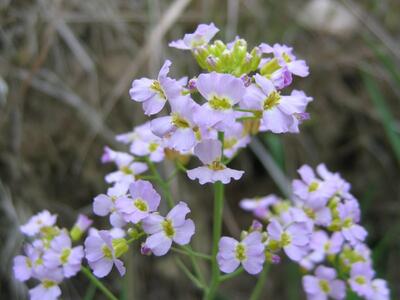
point(98, 284)
point(217, 228)
point(231, 275)
point(260, 283)
point(193, 278)
point(164, 186)
point(187, 251)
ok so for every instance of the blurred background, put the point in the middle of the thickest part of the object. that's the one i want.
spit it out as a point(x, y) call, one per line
point(65, 71)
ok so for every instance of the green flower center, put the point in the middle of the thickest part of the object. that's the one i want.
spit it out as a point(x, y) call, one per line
point(64, 255)
point(168, 228)
point(324, 285)
point(39, 262)
point(180, 122)
point(155, 86)
point(240, 252)
point(126, 170)
point(286, 239)
point(313, 186)
point(360, 280)
point(153, 147)
point(218, 103)
point(48, 283)
point(28, 263)
point(310, 213)
point(286, 57)
point(348, 222)
point(140, 204)
point(107, 252)
point(216, 166)
point(272, 100)
point(229, 143)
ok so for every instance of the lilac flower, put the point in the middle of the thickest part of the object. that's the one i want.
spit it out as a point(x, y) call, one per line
point(278, 112)
point(341, 186)
point(235, 138)
point(349, 213)
point(101, 255)
point(162, 231)
point(286, 58)
point(48, 289)
point(313, 191)
point(201, 36)
point(323, 285)
point(143, 142)
point(31, 264)
point(37, 222)
point(361, 275)
point(380, 290)
point(209, 152)
point(144, 200)
point(154, 93)
point(62, 254)
point(222, 92)
point(294, 239)
point(249, 252)
point(259, 206)
point(179, 130)
point(104, 205)
point(81, 225)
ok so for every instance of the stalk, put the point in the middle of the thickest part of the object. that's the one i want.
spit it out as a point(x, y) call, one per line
point(98, 284)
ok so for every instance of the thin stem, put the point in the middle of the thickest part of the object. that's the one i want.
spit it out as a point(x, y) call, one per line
point(190, 252)
point(255, 295)
point(190, 275)
point(231, 275)
point(217, 228)
point(98, 283)
point(164, 186)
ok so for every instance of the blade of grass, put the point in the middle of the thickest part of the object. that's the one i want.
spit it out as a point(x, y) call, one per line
point(384, 113)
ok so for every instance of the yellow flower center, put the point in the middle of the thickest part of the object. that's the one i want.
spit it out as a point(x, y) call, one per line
point(180, 122)
point(313, 186)
point(324, 285)
point(155, 86)
point(107, 252)
point(126, 170)
point(218, 103)
point(272, 100)
point(216, 166)
point(140, 204)
point(286, 239)
point(229, 143)
point(168, 228)
point(286, 57)
point(65, 255)
point(153, 147)
point(360, 280)
point(240, 252)
point(48, 283)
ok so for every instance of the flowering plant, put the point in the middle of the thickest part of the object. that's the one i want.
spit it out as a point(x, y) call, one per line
point(211, 116)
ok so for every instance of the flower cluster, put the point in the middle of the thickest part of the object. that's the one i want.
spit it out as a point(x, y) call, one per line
point(318, 228)
point(211, 116)
point(50, 256)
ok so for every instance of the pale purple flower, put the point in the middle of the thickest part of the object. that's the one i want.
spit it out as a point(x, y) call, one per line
point(48, 289)
point(349, 213)
point(323, 285)
point(83, 222)
point(154, 93)
point(361, 275)
point(179, 129)
point(209, 152)
point(278, 112)
point(341, 186)
point(165, 230)
point(310, 189)
point(62, 254)
point(37, 222)
point(22, 267)
point(201, 36)
point(380, 290)
point(235, 138)
point(222, 92)
point(143, 142)
point(294, 239)
point(295, 215)
point(104, 204)
point(286, 58)
point(259, 206)
point(249, 253)
point(144, 200)
point(100, 254)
